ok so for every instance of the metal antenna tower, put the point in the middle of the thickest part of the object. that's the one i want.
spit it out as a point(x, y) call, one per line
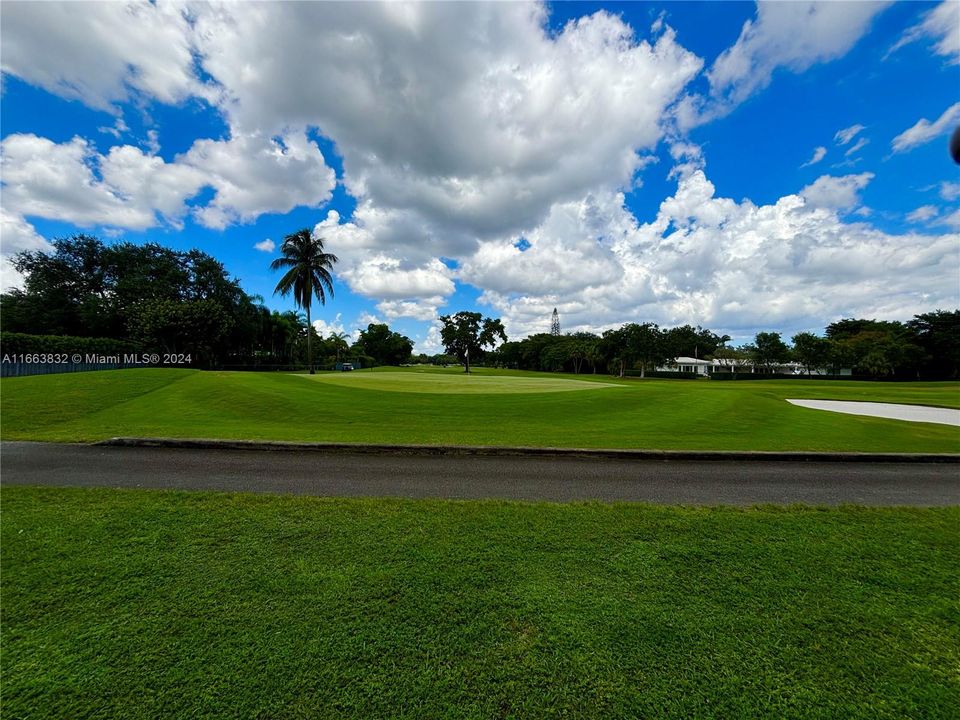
point(555, 323)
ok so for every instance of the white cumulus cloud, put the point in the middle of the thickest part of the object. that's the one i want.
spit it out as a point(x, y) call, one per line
point(922, 214)
point(325, 328)
point(791, 35)
point(253, 174)
point(499, 118)
point(836, 193)
point(381, 276)
point(416, 309)
point(130, 189)
point(101, 53)
point(736, 267)
point(59, 181)
point(16, 235)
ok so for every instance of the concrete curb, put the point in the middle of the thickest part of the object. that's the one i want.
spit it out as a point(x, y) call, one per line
point(483, 450)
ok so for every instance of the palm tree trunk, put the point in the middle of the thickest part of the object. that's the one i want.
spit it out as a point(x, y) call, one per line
point(309, 344)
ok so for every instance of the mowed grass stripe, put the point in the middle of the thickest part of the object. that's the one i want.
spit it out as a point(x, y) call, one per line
point(657, 414)
point(141, 604)
point(52, 400)
point(459, 384)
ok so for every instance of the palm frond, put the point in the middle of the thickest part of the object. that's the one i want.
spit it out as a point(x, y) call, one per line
point(287, 281)
point(282, 262)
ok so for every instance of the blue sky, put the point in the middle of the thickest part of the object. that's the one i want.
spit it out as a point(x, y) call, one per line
point(737, 166)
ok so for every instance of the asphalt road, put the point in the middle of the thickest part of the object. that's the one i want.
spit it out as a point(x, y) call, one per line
point(458, 477)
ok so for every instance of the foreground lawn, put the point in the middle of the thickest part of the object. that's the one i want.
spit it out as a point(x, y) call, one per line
point(141, 604)
point(496, 408)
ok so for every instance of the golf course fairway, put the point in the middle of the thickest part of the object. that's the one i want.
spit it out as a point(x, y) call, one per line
point(488, 407)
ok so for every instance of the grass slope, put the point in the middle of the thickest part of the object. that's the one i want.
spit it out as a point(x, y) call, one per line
point(142, 604)
point(661, 414)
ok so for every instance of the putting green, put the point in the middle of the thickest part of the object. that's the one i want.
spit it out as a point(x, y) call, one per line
point(453, 384)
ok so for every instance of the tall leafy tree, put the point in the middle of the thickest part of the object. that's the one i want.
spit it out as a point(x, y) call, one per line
point(811, 351)
point(383, 345)
point(580, 347)
point(938, 333)
point(634, 344)
point(878, 347)
point(307, 275)
point(466, 334)
point(647, 344)
point(690, 341)
point(770, 350)
point(616, 349)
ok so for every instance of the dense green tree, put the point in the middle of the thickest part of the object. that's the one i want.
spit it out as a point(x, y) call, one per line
point(689, 341)
point(615, 350)
point(580, 347)
point(554, 356)
point(811, 351)
point(194, 327)
point(770, 350)
point(938, 333)
point(649, 348)
point(85, 288)
point(879, 348)
point(383, 345)
point(467, 335)
point(508, 354)
point(634, 344)
point(307, 275)
point(535, 351)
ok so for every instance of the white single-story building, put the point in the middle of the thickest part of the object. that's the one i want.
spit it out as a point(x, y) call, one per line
point(708, 367)
point(688, 364)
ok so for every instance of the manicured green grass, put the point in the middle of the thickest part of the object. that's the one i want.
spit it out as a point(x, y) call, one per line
point(662, 414)
point(455, 384)
point(141, 604)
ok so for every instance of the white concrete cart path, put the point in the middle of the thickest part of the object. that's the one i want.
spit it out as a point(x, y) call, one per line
point(892, 411)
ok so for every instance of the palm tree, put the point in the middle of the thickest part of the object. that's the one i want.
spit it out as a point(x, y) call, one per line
point(307, 275)
point(339, 340)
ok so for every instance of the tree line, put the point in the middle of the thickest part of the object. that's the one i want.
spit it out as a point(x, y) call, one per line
point(170, 301)
point(928, 346)
point(158, 299)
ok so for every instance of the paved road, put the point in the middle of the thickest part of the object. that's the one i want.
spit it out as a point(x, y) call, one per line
point(514, 478)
